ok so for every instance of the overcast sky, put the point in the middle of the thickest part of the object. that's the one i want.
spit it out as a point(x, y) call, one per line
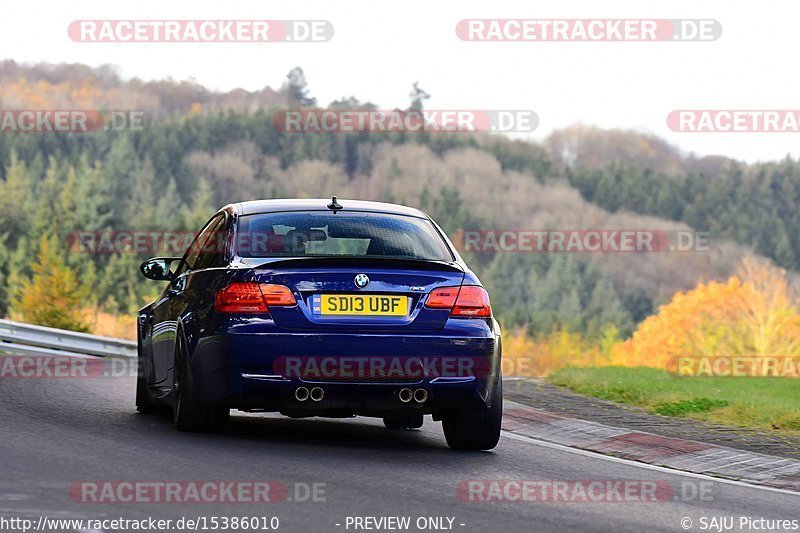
point(381, 48)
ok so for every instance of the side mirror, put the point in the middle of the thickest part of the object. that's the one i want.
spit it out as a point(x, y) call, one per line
point(158, 268)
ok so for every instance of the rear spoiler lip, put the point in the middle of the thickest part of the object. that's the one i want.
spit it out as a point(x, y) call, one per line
point(413, 264)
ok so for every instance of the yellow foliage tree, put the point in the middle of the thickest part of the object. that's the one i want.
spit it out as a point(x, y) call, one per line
point(526, 356)
point(53, 296)
point(754, 313)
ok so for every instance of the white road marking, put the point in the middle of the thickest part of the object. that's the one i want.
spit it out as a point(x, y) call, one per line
point(13, 497)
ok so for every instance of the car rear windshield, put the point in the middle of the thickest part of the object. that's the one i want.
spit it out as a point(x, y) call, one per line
point(344, 234)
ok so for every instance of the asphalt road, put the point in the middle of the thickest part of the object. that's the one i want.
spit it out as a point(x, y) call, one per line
point(56, 432)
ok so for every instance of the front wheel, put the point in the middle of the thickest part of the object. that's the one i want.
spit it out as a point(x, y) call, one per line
point(476, 430)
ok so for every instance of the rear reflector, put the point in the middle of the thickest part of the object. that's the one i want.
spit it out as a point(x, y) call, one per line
point(467, 301)
point(252, 297)
point(277, 294)
point(442, 298)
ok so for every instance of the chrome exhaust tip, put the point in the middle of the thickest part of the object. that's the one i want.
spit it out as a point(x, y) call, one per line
point(301, 394)
point(317, 394)
point(405, 395)
point(420, 396)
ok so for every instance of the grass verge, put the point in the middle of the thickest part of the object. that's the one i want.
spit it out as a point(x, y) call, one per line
point(763, 403)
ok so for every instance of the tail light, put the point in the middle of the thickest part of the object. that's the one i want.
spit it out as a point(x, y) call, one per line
point(277, 294)
point(442, 298)
point(252, 297)
point(466, 301)
point(472, 301)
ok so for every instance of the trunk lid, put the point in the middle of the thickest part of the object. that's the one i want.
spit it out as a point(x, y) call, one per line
point(329, 297)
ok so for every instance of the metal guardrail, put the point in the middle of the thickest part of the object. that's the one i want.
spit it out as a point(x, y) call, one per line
point(27, 339)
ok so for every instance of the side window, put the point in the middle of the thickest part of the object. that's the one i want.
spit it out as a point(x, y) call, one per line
point(225, 243)
point(213, 249)
point(190, 260)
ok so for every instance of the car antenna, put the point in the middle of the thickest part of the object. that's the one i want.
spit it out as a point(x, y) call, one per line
point(334, 205)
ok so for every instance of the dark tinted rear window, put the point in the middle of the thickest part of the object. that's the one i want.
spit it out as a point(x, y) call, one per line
point(345, 234)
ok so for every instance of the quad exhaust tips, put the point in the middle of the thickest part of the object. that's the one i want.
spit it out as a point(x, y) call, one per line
point(317, 394)
point(419, 395)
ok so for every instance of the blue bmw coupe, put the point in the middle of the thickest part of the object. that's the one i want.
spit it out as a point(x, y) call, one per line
point(321, 308)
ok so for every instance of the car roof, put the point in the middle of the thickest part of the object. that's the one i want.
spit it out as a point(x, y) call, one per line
point(320, 204)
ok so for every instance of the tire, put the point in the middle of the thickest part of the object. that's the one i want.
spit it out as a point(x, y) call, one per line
point(189, 413)
point(409, 421)
point(476, 430)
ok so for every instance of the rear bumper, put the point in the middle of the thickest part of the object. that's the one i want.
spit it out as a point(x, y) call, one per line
point(248, 370)
point(363, 399)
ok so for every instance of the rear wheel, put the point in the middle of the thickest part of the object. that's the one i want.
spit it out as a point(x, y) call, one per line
point(188, 412)
point(409, 421)
point(476, 430)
